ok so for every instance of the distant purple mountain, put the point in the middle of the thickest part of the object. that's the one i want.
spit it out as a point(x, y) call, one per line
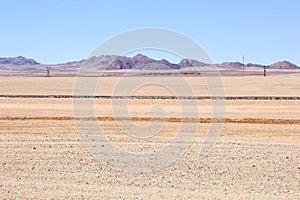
point(139, 62)
point(112, 62)
point(20, 60)
point(283, 65)
point(191, 63)
point(278, 65)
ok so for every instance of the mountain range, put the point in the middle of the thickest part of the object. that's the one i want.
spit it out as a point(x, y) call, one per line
point(22, 65)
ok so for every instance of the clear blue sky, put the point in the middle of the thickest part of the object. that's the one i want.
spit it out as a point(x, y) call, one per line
point(56, 31)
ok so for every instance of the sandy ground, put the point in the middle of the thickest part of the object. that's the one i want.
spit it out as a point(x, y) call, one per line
point(256, 156)
point(281, 85)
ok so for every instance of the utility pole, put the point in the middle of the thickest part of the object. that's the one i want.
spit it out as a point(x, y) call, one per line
point(48, 71)
point(243, 65)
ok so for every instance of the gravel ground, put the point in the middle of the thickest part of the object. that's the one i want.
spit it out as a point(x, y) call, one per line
point(256, 157)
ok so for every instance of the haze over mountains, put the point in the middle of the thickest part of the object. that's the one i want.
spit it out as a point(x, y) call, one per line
point(22, 65)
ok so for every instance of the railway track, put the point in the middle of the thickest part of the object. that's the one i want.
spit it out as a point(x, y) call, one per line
point(279, 98)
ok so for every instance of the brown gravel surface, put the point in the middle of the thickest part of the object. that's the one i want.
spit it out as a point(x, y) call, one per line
point(256, 157)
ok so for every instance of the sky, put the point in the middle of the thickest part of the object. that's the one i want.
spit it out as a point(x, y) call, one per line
point(58, 31)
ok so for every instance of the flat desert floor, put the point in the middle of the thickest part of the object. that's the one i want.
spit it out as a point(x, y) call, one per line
point(256, 156)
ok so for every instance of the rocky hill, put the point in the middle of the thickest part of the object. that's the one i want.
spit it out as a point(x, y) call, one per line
point(283, 65)
point(21, 65)
point(20, 60)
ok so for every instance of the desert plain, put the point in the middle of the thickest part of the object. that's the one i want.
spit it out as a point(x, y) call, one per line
point(256, 156)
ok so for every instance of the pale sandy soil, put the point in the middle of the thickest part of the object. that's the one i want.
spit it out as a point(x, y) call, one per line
point(282, 85)
point(256, 157)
